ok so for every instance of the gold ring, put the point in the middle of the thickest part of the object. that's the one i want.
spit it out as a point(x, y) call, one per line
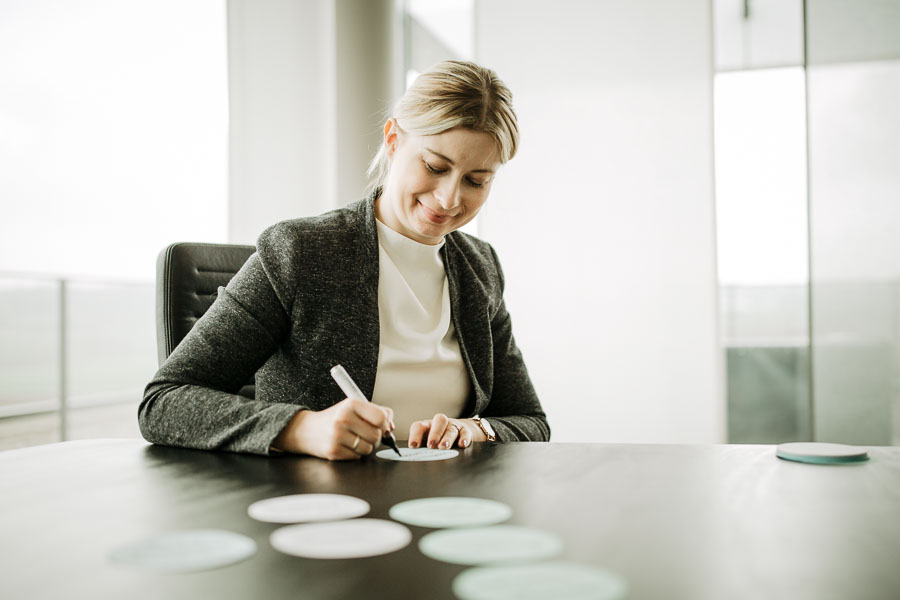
point(355, 443)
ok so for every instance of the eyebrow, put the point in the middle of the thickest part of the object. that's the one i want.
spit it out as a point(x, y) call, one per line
point(450, 160)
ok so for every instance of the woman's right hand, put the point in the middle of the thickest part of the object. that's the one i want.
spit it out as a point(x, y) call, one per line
point(346, 431)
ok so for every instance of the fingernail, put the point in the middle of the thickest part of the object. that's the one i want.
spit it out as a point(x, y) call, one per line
point(392, 426)
point(413, 444)
point(432, 445)
point(464, 443)
point(445, 445)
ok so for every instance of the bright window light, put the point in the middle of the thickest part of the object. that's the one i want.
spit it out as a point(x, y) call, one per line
point(761, 200)
point(115, 128)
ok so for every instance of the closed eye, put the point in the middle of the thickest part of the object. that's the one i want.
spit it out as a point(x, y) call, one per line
point(432, 169)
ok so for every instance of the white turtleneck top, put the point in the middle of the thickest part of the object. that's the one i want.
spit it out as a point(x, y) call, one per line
point(420, 368)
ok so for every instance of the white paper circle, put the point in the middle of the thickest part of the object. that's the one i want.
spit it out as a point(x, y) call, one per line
point(185, 551)
point(305, 508)
point(450, 512)
point(539, 582)
point(355, 538)
point(821, 452)
point(417, 454)
point(499, 544)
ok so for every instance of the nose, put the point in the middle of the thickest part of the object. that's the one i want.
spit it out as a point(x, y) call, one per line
point(448, 194)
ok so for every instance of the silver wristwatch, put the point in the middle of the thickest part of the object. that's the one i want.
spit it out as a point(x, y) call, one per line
point(486, 428)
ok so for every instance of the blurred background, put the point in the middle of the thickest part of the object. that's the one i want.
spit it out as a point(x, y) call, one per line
point(698, 234)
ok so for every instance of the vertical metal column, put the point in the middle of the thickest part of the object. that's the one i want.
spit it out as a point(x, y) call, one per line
point(63, 365)
point(810, 312)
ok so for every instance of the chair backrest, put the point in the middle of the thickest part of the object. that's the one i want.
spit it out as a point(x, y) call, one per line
point(188, 276)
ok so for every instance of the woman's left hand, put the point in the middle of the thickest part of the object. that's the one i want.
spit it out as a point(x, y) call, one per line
point(443, 432)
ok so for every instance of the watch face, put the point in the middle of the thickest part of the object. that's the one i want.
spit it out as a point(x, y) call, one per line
point(486, 428)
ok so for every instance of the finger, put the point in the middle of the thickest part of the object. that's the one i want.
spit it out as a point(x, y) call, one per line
point(368, 434)
point(360, 446)
point(451, 433)
point(349, 421)
point(365, 448)
point(438, 425)
point(374, 414)
point(341, 448)
point(347, 424)
point(465, 437)
point(417, 433)
point(369, 437)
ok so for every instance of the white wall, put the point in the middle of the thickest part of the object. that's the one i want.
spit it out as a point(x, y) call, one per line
point(282, 126)
point(605, 220)
point(309, 80)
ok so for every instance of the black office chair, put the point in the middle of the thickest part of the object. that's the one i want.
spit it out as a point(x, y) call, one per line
point(188, 276)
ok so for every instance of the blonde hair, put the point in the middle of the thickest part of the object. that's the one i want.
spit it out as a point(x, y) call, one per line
point(453, 94)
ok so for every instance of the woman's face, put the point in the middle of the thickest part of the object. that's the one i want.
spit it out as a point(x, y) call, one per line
point(437, 183)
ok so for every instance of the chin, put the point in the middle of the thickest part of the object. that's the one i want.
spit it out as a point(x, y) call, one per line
point(422, 226)
point(433, 233)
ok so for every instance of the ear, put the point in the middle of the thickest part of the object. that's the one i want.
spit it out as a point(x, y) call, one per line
point(391, 133)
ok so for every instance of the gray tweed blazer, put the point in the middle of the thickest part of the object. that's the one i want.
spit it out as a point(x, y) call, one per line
point(306, 301)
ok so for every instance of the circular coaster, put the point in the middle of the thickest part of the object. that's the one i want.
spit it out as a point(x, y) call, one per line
point(538, 582)
point(185, 551)
point(417, 454)
point(821, 453)
point(450, 512)
point(499, 544)
point(355, 538)
point(304, 508)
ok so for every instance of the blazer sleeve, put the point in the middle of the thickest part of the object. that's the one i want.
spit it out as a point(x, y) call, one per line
point(514, 410)
point(192, 400)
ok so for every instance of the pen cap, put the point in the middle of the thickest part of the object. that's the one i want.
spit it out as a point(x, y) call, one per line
point(346, 383)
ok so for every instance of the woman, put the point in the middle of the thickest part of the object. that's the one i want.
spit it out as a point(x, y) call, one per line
point(386, 287)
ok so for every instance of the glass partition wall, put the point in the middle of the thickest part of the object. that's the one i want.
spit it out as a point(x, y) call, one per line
point(853, 80)
point(808, 203)
point(113, 144)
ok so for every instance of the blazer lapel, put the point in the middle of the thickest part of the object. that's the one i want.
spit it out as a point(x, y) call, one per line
point(367, 303)
point(464, 308)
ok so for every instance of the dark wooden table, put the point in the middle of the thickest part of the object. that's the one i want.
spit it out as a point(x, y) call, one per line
point(693, 522)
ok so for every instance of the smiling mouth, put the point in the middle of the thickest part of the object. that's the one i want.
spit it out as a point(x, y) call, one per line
point(433, 216)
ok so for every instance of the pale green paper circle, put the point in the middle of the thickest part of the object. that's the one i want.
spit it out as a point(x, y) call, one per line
point(496, 545)
point(539, 582)
point(417, 454)
point(822, 453)
point(450, 512)
point(185, 551)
